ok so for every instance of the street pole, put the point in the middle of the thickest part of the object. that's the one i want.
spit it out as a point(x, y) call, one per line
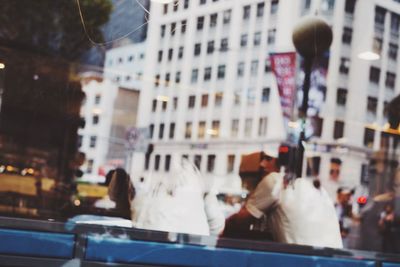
point(311, 37)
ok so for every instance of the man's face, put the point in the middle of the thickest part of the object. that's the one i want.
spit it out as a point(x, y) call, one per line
point(268, 164)
point(334, 171)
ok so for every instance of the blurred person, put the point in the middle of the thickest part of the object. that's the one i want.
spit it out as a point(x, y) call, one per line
point(344, 211)
point(387, 229)
point(122, 192)
point(248, 223)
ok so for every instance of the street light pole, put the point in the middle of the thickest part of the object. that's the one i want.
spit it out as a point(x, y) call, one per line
point(311, 37)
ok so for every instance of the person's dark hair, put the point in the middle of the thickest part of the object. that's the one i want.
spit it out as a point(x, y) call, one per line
point(336, 160)
point(123, 191)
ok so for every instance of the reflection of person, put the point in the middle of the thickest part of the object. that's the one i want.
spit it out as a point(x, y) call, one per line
point(344, 211)
point(122, 192)
point(387, 229)
point(257, 170)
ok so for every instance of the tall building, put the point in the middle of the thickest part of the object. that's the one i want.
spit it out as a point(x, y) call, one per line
point(213, 98)
point(110, 110)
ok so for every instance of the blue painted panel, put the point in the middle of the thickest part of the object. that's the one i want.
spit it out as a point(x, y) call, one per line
point(389, 264)
point(34, 243)
point(117, 250)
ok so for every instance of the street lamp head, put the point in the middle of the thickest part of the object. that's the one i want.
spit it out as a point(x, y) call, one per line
point(312, 36)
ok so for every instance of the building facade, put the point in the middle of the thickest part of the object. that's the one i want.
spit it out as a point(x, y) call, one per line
point(211, 96)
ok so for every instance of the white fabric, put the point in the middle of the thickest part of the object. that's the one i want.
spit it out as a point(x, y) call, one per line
point(174, 203)
point(299, 213)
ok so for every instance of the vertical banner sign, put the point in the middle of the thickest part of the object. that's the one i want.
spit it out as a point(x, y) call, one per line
point(283, 66)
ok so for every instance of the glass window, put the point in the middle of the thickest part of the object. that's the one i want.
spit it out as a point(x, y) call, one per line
point(379, 15)
point(200, 23)
point(210, 163)
point(161, 131)
point(271, 36)
point(344, 65)
point(254, 67)
point(243, 40)
point(230, 163)
point(338, 129)
point(390, 80)
point(274, 6)
point(221, 72)
point(248, 127)
point(213, 20)
point(240, 69)
point(224, 45)
point(374, 74)
point(93, 141)
point(265, 94)
point(341, 97)
point(257, 39)
point(246, 12)
point(227, 16)
point(194, 76)
point(218, 99)
point(192, 101)
point(349, 6)
point(204, 100)
point(392, 52)
point(260, 9)
point(210, 47)
point(207, 74)
point(157, 159)
point(180, 52)
point(262, 126)
point(171, 130)
point(372, 104)
point(188, 130)
point(202, 130)
point(197, 49)
point(347, 34)
point(167, 162)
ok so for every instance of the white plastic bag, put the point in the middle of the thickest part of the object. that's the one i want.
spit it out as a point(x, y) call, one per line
point(305, 215)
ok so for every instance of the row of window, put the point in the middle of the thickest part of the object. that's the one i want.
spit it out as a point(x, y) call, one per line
point(374, 77)
point(218, 97)
point(197, 159)
point(380, 14)
point(121, 60)
point(214, 131)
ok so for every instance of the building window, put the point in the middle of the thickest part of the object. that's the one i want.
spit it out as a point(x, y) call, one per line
point(257, 39)
point(164, 105)
point(338, 129)
point(183, 26)
point(165, 8)
point(271, 36)
point(344, 65)
point(188, 130)
point(215, 129)
point(204, 100)
point(267, 66)
point(180, 52)
point(175, 103)
point(262, 127)
point(162, 30)
point(393, 48)
point(195, 74)
point(379, 15)
point(248, 127)
point(230, 163)
point(395, 23)
point(161, 131)
point(210, 47)
point(167, 78)
point(327, 5)
point(95, 119)
point(197, 49)
point(377, 45)
point(170, 53)
point(260, 9)
point(372, 104)
point(218, 99)
point(192, 101)
point(157, 162)
point(200, 23)
point(167, 162)
point(224, 45)
point(306, 4)
point(237, 97)
point(213, 20)
point(202, 129)
point(243, 40)
point(227, 16)
point(235, 128)
point(240, 69)
point(274, 6)
point(207, 73)
point(89, 168)
point(265, 94)
point(186, 4)
point(154, 105)
point(374, 74)
point(349, 6)
point(80, 140)
point(210, 163)
point(173, 29)
point(221, 72)
point(390, 80)
point(93, 141)
point(341, 97)
point(369, 136)
point(160, 54)
point(246, 12)
point(254, 67)
point(197, 161)
point(346, 36)
point(97, 99)
point(151, 130)
point(202, 2)
point(178, 77)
